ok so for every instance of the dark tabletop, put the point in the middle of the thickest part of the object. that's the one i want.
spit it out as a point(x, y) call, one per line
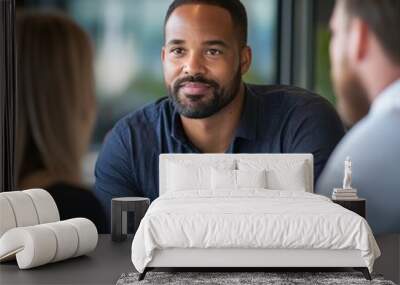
point(102, 266)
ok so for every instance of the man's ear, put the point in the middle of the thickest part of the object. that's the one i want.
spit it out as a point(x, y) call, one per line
point(245, 59)
point(163, 54)
point(359, 40)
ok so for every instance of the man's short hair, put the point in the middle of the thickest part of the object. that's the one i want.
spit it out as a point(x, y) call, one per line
point(383, 18)
point(234, 7)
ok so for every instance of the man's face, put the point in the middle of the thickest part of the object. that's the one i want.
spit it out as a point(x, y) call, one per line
point(352, 98)
point(201, 60)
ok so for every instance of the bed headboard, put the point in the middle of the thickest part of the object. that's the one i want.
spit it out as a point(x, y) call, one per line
point(268, 158)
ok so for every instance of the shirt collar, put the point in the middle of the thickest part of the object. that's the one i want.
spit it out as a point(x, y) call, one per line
point(176, 128)
point(246, 129)
point(388, 99)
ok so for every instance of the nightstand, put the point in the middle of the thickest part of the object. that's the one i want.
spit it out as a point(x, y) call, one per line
point(356, 205)
point(119, 218)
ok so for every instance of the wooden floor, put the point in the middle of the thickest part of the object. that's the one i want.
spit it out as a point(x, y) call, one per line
point(389, 262)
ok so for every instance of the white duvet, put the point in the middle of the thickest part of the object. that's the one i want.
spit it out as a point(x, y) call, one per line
point(250, 219)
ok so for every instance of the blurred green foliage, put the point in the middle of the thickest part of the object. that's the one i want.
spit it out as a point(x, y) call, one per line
point(323, 83)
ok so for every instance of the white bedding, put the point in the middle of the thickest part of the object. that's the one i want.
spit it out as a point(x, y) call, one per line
point(251, 218)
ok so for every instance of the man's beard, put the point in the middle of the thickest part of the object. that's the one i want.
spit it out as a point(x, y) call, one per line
point(353, 102)
point(221, 97)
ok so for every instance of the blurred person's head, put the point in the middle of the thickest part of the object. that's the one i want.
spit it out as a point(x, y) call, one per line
point(205, 55)
point(56, 103)
point(365, 53)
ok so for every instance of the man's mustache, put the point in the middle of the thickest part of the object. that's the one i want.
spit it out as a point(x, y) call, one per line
point(194, 79)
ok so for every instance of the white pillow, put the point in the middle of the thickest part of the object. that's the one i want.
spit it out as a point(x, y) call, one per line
point(237, 179)
point(223, 179)
point(181, 177)
point(292, 179)
point(251, 178)
point(287, 174)
point(185, 174)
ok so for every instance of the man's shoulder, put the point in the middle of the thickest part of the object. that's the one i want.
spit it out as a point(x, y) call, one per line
point(286, 99)
point(370, 150)
point(284, 94)
point(370, 136)
point(145, 117)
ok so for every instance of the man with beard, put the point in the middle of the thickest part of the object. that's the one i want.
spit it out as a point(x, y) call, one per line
point(365, 56)
point(209, 109)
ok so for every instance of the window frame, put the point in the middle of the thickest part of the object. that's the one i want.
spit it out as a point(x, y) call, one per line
point(295, 39)
point(8, 89)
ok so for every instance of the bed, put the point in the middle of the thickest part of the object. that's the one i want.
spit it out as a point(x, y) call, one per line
point(246, 211)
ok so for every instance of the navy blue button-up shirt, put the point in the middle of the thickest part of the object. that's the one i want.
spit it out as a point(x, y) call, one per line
point(275, 119)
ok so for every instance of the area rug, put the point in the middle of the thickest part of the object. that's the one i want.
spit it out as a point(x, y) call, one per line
point(244, 278)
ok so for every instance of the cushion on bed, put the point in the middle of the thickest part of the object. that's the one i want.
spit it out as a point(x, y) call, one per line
point(236, 179)
point(223, 179)
point(186, 175)
point(290, 175)
point(251, 178)
point(183, 178)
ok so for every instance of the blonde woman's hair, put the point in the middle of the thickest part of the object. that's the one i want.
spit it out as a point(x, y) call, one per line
point(55, 93)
